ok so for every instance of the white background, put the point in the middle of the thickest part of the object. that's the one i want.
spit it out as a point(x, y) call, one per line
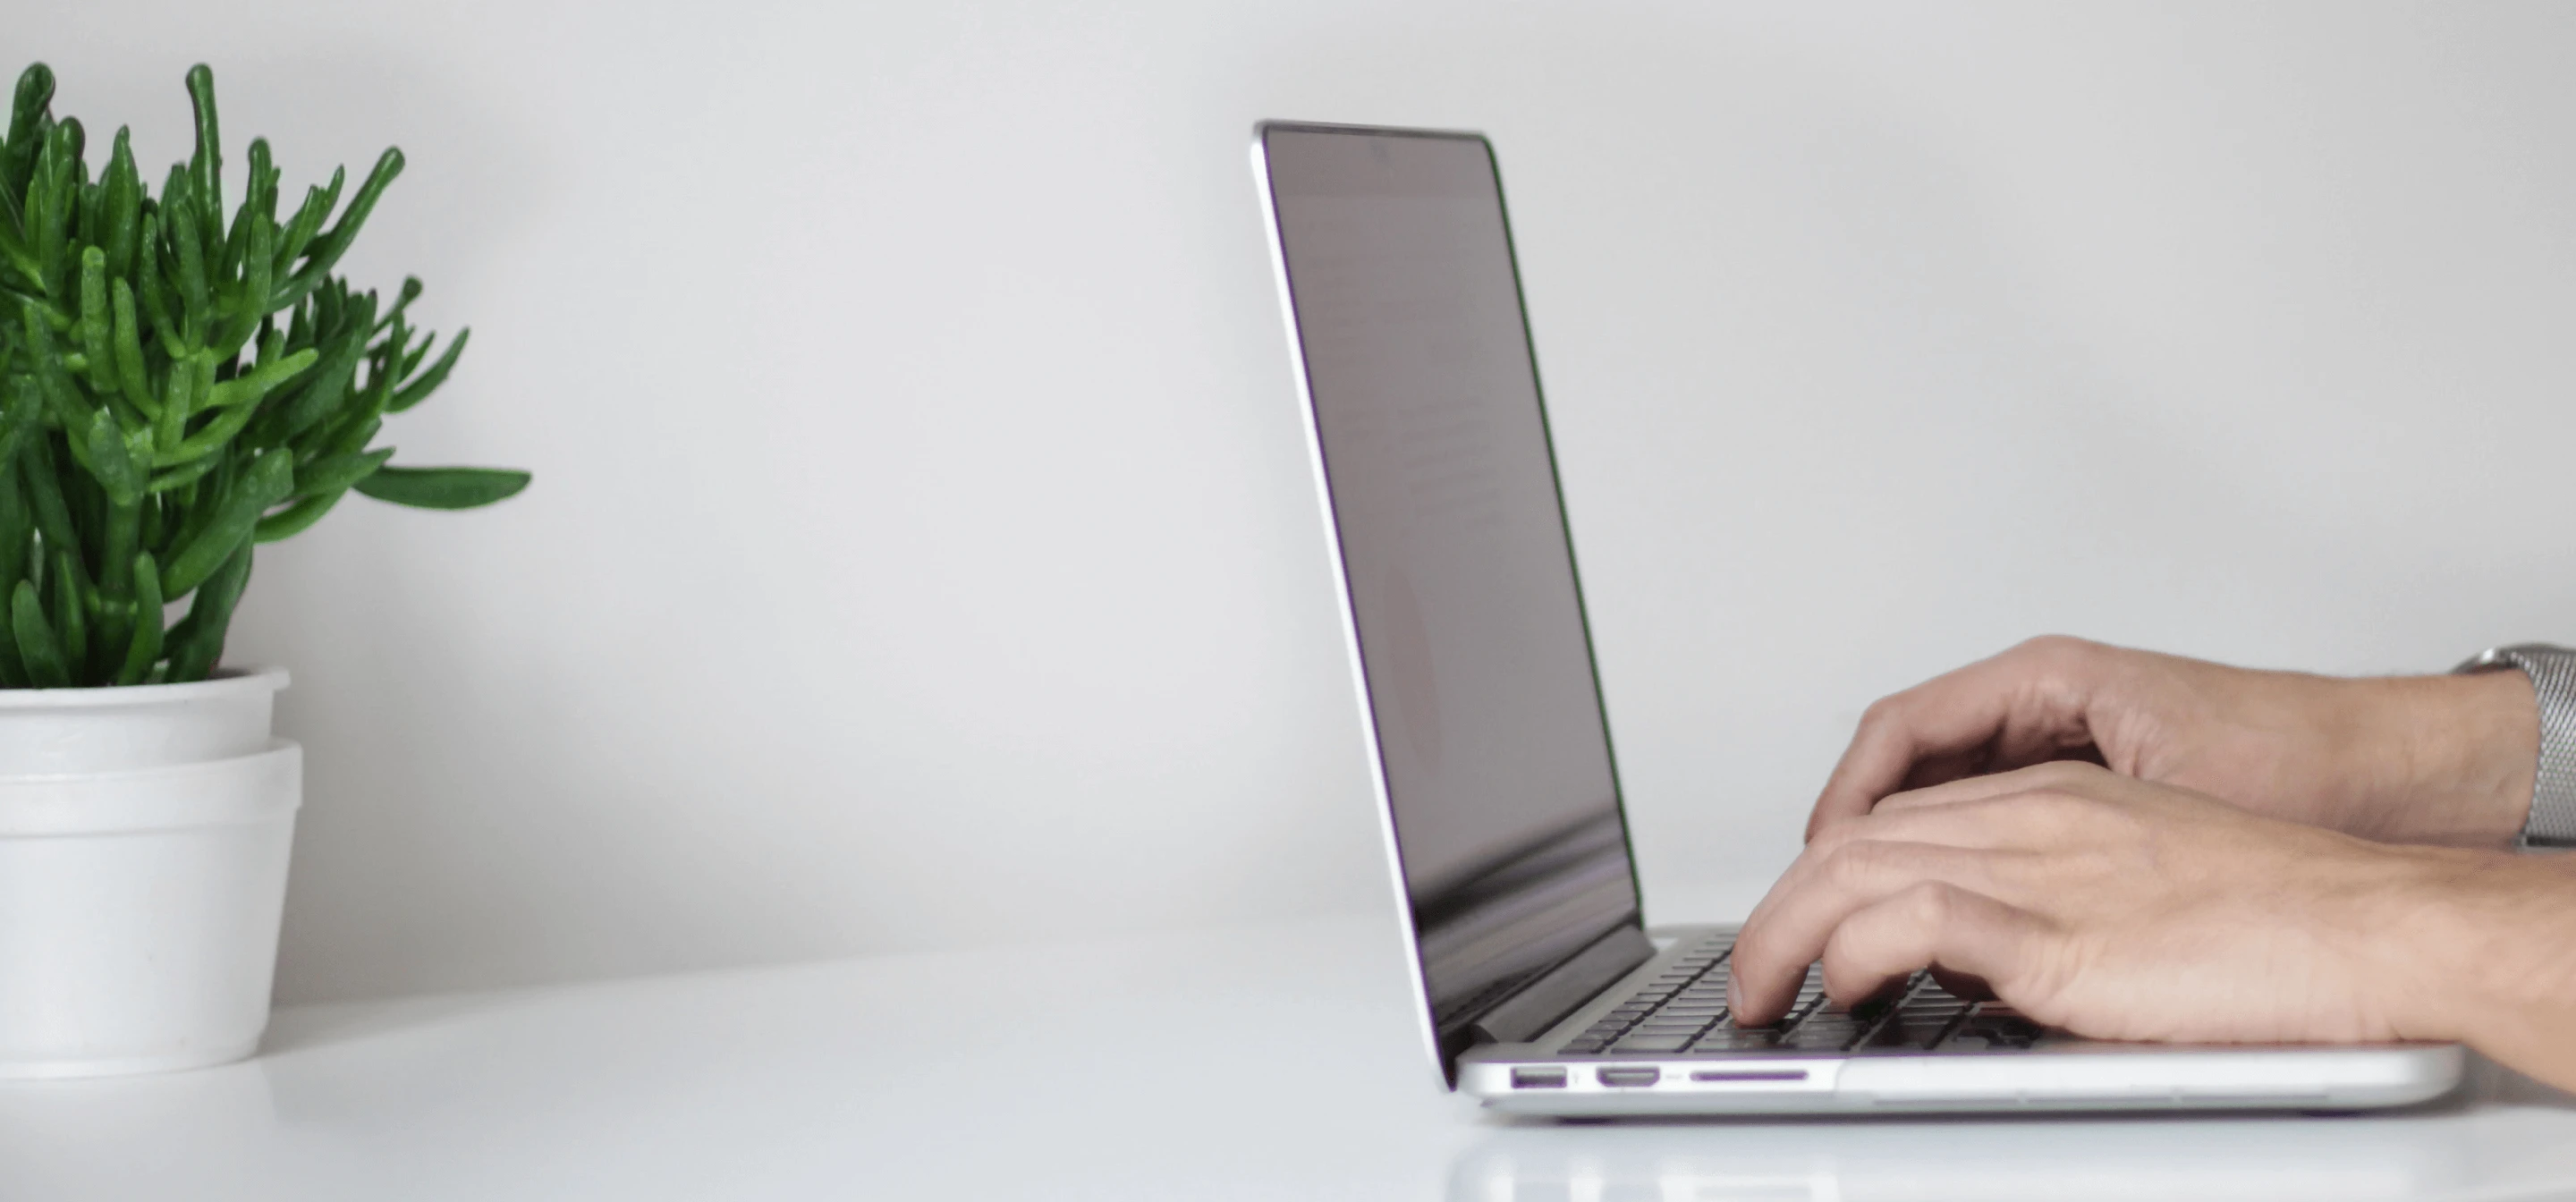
point(923, 552)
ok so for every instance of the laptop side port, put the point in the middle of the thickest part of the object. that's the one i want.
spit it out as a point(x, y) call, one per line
point(1756, 1074)
point(1538, 1078)
point(1630, 1076)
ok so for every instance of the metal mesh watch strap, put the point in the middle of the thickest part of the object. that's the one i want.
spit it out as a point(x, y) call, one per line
point(2553, 788)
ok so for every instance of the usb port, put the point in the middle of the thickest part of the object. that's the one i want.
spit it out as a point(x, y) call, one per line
point(1630, 1076)
point(1538, 1078)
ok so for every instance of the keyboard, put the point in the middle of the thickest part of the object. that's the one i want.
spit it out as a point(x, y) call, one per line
point(1682, 1012)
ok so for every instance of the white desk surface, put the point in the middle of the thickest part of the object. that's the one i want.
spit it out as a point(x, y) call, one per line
point(1261, 1062)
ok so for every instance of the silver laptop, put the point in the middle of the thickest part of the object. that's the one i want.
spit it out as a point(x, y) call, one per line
point(1541, 989)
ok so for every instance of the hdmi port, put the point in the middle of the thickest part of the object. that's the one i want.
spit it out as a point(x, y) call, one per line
point(1630, 1076)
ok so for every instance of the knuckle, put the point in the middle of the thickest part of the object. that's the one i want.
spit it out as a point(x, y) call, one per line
point(1883, 714)
point(1930, 905)
point(2054, 647)
point(2059, 658)
point(2050, 807)
point(1834, 836)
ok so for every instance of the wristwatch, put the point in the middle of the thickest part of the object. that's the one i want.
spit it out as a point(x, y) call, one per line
point(2553, 788)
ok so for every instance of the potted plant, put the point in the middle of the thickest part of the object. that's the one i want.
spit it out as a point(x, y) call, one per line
point(180, 382)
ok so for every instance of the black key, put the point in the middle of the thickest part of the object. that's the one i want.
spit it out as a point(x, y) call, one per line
point(1820, 1034)
point(1652, 1043)
point(1737, 1039)
point(2001, 1015)
point(1993, 1025)
point(1906, 1033)
point(1832, 1036)
point(1973, 1035)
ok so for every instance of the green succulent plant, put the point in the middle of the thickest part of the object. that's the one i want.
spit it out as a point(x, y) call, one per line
point(178, 385)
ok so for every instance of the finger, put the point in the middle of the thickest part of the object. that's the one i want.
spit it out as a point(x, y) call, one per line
point(1955, 931)
point(2063, 777)
point(2025, 704)
point(2033, 809)
point(1789, 929)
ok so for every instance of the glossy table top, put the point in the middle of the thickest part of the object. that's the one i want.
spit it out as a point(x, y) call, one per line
point(1258, 1062)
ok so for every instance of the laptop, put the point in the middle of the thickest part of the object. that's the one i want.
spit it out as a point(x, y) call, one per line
point(1540, 987)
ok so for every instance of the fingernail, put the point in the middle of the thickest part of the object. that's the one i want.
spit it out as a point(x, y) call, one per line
point(1734, 994)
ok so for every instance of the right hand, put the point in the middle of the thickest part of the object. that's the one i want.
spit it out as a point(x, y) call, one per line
point(2432, 759)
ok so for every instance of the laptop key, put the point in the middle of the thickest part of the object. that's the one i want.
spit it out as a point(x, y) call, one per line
point(1737, 1039)
point(1832, 1034)
point(2001, 1030)
point(1652, 1043)
point(1684, 1030)
point(1915, 1031)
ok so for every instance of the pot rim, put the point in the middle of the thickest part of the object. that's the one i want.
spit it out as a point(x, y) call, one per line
point(225, 682)
point(263, 786)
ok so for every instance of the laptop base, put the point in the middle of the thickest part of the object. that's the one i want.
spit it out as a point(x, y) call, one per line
point(1557, 1073)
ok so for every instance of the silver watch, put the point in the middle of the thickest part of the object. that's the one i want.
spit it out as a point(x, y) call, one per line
point(2553, 788)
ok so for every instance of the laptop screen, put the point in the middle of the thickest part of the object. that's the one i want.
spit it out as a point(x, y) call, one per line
point(1476, 664)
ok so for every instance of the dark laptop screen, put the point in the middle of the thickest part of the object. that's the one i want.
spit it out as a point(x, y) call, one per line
point(1444, 497)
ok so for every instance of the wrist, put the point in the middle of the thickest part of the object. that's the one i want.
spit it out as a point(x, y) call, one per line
point(2466, 750)
point(2480, 948)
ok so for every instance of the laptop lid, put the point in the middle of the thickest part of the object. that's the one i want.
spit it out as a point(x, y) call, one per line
point(1474, 665)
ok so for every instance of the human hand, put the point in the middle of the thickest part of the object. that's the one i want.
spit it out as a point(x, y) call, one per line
point(2117, 908)
point(2433, 759)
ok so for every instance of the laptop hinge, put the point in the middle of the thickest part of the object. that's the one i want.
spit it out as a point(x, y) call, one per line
point(1543, 1002)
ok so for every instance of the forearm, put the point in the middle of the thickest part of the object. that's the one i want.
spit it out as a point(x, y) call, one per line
point(2459, 754)
point(2484, 946)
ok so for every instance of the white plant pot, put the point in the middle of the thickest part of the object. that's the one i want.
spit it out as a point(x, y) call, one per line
point(142, 874)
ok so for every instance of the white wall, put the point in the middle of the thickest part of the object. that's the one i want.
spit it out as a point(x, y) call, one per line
point(922, 549)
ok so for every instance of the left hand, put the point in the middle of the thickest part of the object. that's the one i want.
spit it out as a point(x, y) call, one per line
point(2117, 908)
